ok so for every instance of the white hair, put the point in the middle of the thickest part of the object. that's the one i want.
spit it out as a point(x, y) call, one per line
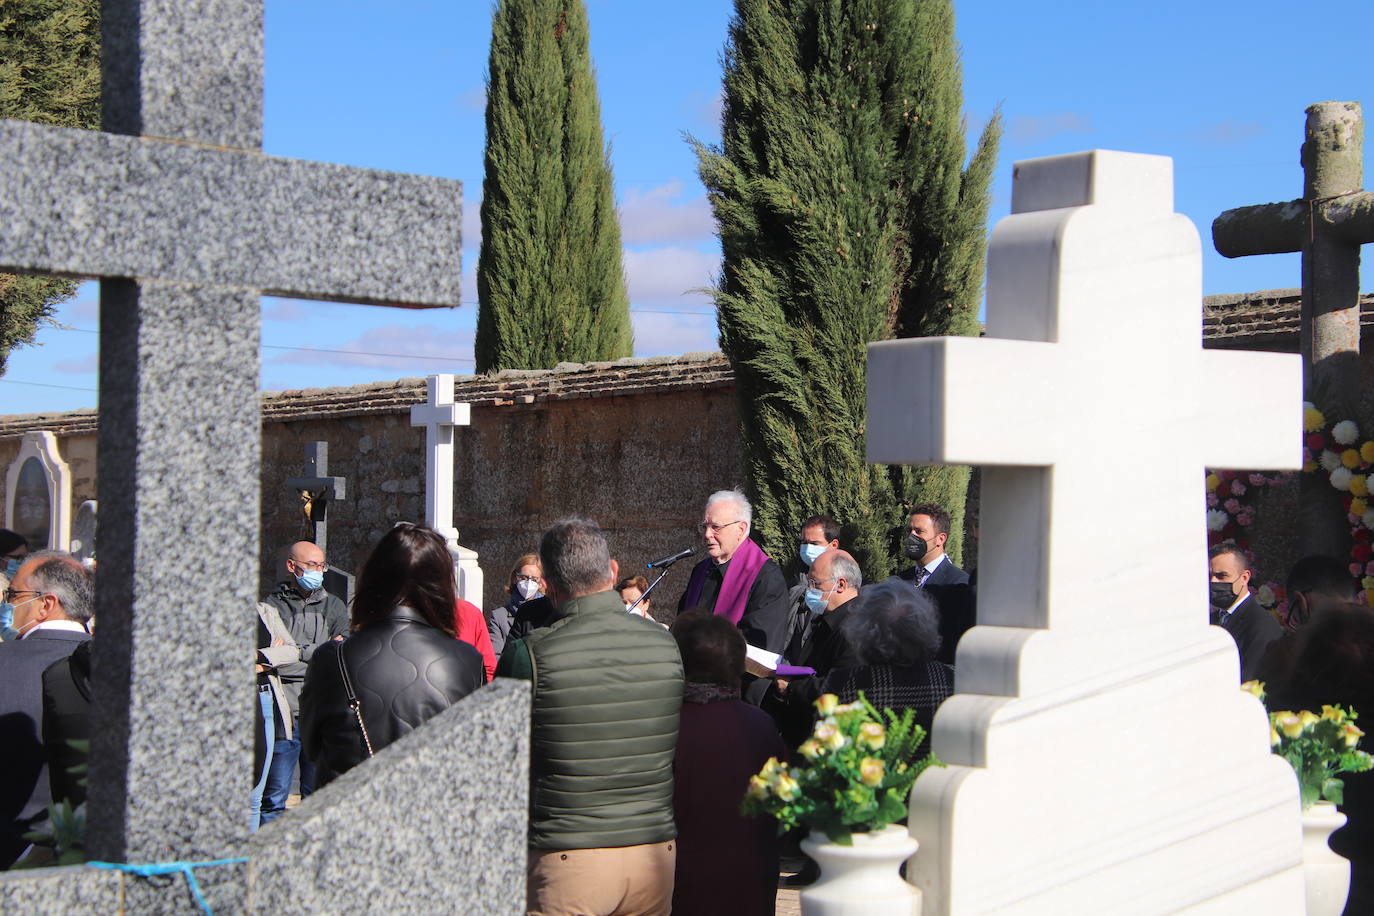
point(746, 511)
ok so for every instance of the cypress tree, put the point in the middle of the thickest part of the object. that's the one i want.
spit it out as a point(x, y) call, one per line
point(49, 73)
point(550, 283)
point(846, 215)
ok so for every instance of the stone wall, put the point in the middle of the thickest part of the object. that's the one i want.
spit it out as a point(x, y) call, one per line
point(635, 443)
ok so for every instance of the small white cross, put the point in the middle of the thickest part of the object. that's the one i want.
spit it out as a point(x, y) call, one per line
point(439, 415)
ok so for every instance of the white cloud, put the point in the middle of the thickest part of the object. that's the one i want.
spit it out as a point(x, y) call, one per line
point(1035, 128)
point(657, 334)
point(411, 349)
point(668, 275)
point(659, 216)
point(472, 226)
point(84, 366)
point(1229, 131)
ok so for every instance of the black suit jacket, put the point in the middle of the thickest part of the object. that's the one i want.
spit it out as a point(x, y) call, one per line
point(949, 586)
point(67, 718)
point(24, 792)
point(1253, 628)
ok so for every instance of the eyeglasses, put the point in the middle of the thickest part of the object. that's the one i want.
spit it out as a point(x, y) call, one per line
point(817, 583)
point(313, 567)
point(12, 593)
point(521, 577)
point(715, 529)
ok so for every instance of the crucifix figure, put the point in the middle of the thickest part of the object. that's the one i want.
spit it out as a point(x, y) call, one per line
point(1098, 737)
point(186, 223)
point(317, 489)
point(439, 415)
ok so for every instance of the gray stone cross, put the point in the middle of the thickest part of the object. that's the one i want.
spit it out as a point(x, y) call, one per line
point(318, 489)
point(187, 223)
point(1328, 224)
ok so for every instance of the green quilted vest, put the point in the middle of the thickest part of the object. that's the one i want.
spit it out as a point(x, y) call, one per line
point(607, 695)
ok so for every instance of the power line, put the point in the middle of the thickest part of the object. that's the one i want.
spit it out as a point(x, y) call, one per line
point(15, 381)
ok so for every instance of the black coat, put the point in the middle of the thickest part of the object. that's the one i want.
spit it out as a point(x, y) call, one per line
point(67, 718)
point(949, 586)
point(403, 671)
point(1253, 628)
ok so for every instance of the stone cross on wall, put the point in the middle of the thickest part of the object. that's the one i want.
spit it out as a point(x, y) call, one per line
point(439, 415)
point(187, 223)
point(1328, 224)
point(1101, 755)
point(317, 489)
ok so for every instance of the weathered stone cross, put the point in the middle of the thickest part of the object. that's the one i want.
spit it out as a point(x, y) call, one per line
point(187, 223)
point(1098, 739)
point(317, 490)
point(1328, 224)
point(439, 415)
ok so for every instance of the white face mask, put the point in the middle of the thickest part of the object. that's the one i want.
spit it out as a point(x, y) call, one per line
point(527, 588)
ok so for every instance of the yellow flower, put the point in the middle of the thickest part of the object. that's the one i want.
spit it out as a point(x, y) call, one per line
point(1213, 481)
point(1358, 506)
point(829, 736)
point(1350, 458)
point(786, 788)
point(771, 768)
point(758, 787)
point(1288, 723)
point(1308, 718)
point(810, 749)
point(1367, 583)
point(826, 703)
point(1351, 734)
point(1254, 688)
point(873, 735)
point(1308, 465)
point(1333, 714)
point(1274, 738)
point(1367, 452)
point(1359, 485)
point(871, 771)
point(1312, 419)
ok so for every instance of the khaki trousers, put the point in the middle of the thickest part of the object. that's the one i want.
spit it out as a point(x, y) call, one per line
point(616, 881)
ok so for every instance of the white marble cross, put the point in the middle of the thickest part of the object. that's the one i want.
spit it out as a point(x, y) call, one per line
point(439, 415)
point(1102, 757)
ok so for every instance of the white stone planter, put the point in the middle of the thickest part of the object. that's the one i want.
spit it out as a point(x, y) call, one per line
point(1327, 874)
point(861, 880)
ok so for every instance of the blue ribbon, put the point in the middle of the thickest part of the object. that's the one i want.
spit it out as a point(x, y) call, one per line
point(170, 868)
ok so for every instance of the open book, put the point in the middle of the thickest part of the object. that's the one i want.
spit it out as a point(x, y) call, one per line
point(762, 663)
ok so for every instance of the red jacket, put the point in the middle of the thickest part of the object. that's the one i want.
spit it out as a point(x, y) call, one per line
point(471, 627)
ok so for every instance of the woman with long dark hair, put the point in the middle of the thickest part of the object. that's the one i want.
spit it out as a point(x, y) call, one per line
point(402, 662)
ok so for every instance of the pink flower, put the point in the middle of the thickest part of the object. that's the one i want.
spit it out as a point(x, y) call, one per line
point(1355, 569)
point(1369, 569)
point(1237, 488)
point(1232, 506)
point(1257, 480)
point(1211, 500)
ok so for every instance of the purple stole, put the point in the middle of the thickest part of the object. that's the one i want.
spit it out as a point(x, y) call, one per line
point(734, 590)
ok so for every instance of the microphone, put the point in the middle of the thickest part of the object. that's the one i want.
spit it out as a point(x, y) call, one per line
point(671, 559)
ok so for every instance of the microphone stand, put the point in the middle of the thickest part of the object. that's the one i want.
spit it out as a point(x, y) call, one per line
point(662, 571)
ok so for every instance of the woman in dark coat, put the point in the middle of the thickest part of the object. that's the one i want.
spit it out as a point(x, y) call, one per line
point(727, 864)
point(895, 630)
point(403, 660)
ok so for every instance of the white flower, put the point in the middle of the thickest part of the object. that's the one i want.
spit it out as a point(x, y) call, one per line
point(1329, 460)
point(1266, 596)
point(1340, 478)
point(1345, 432)
point(1216, 519)
point(1368, 519)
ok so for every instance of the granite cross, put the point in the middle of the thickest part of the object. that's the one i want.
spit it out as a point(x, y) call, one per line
point(1328, 224)
point(1093, 678)
point(439, 415)
point(187, 223)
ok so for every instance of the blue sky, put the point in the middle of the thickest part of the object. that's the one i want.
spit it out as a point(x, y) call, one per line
point(1219, 85)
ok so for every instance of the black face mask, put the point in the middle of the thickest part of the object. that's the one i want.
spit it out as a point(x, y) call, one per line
point(1221, 595)
point(914, 547)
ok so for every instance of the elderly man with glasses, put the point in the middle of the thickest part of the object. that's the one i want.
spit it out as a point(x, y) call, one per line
point(50, 597)
point(313, 616)
point(737, 580)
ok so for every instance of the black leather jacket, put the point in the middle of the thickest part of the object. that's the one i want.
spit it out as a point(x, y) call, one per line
point(403, 671)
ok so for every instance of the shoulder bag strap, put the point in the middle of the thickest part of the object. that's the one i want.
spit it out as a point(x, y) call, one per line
point(353, 703)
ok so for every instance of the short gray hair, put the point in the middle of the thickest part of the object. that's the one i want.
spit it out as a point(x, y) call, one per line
point(844, 567)
point(575, 556)
point(892, 623)
point(61, 575)
point(736, 496)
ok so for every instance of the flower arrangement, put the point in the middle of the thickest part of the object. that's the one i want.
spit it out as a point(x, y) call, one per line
point(1230, 513)
point(1318, 748)
point(1335, 450)
point(859, 767)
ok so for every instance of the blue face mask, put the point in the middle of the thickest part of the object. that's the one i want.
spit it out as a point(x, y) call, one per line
point(12, 565)
point(6, 616)
point(809, 552)
point(311, 579)
point(815, 600)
